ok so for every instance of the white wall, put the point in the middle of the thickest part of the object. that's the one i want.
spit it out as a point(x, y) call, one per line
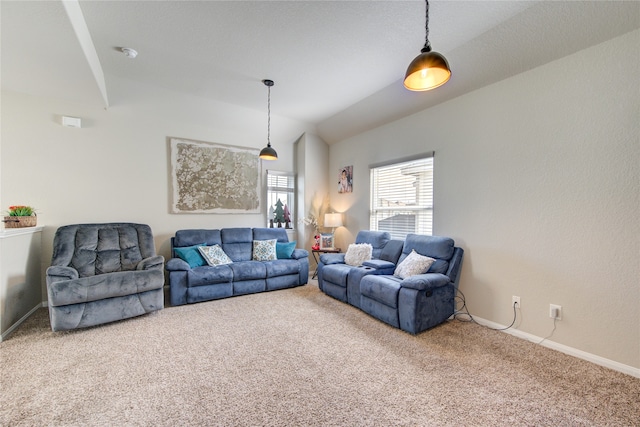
point(116, 168)
point(537, 178)
point(313, 195)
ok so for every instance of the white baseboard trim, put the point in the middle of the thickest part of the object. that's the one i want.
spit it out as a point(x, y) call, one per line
point(607, 363)
point(19, 322)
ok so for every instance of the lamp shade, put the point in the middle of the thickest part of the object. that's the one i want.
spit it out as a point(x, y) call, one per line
point(428, 70)
point(333, 220)
point(268, 153)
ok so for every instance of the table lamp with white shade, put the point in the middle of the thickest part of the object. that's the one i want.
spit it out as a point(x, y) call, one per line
point(333, 220)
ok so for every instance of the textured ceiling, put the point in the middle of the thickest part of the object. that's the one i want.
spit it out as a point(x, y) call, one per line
point(336, 64)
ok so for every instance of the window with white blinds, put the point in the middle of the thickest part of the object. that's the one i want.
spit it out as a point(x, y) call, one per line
point(280, 187)
point(402, 197)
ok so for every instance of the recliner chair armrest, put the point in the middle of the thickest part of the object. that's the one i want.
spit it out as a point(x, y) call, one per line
point(177, 264)
point(57, 273)
point(327, 259)
point(300, 253)
point(422, 282)
point(154, 262)
point(378, 264)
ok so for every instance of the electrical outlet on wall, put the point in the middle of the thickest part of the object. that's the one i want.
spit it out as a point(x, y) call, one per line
point(555, 311)
point(515, 300)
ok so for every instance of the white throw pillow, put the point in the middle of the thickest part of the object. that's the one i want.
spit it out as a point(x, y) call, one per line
point(413, 264)
point(264, 250)
point(358, 253)
point(214, 255)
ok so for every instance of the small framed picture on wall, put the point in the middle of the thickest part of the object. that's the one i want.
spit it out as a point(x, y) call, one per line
point(345, 179)
point(326, 241)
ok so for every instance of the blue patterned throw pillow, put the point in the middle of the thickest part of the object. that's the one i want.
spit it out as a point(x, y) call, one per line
point(214, 255)
point(264, 250)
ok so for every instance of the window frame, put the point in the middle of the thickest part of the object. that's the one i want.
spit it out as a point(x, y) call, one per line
point(291, 195)
point(422, 209)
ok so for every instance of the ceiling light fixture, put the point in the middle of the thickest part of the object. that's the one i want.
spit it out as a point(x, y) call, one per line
point(128, 52)
point(268, 153)
point(428, 70)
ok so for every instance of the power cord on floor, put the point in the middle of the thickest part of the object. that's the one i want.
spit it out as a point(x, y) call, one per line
point(552, 331)
point(464, 311)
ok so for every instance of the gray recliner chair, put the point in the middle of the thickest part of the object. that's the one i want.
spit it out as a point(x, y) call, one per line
point(101, 273)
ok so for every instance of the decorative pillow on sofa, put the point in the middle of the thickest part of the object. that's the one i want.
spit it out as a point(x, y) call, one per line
point(191, 255)
point(284, 250)
point(264, 250)
point(214, 255)
point(357, 253)
point(413, 264)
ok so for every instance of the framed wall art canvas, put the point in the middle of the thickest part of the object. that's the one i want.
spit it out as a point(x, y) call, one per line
point(345, 179)
point(214, 178)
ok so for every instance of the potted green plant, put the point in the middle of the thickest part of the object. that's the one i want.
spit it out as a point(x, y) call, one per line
point(20, 216)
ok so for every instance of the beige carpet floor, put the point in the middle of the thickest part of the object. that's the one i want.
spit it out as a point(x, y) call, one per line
point(297, 357)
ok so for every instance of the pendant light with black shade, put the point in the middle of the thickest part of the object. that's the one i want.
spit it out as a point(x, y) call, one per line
point(428, 70)
point(268, 153)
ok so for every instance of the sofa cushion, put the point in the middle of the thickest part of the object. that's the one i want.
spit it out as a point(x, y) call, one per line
point(413, 264)
point(282, 267)
point(336, 274)
point(357, 253)
point(264, 250)
point(280, 234)
point(248, 270)
point(196, 236)
point(214, 255)
point(377, 239)
point(436, 247)
point(285, 250)
point(103, 286)
point(237, 243)
point(383, 289)
point(207, 275)
point(191, 255)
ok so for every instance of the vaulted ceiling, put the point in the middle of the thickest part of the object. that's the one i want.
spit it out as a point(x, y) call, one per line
point(337, 65)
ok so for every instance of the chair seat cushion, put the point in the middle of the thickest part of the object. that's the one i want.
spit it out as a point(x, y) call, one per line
point(383, 289)
point(208, 275)
point(94, 288)
point(336, 274)
point(248, 270)
point(282, 267)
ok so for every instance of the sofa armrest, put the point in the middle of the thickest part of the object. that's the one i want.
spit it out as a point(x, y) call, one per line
point(378, 264)
point(154, 262)
point(426, 281)
point(177, 264)
point(57, 273)
point(300, 253)
point(327, 259)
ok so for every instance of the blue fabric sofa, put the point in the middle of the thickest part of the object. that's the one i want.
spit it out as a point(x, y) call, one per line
point(189, 284)
point(342, 281)
point(413, 304)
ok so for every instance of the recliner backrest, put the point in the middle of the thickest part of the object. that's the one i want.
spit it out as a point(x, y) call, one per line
point(280, 234)
point(237, 243)
point(392, 251)
point(94, 249)
point(436, 247)
point(377, 239)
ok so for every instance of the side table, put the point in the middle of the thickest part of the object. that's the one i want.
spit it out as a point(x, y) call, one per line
point(316, 254)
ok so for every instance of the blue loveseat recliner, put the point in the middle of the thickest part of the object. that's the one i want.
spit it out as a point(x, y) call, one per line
point(413, 304)
point(242, 276)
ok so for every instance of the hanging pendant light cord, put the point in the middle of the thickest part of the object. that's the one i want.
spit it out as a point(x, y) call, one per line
point(269, 116)
point(427, 45)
